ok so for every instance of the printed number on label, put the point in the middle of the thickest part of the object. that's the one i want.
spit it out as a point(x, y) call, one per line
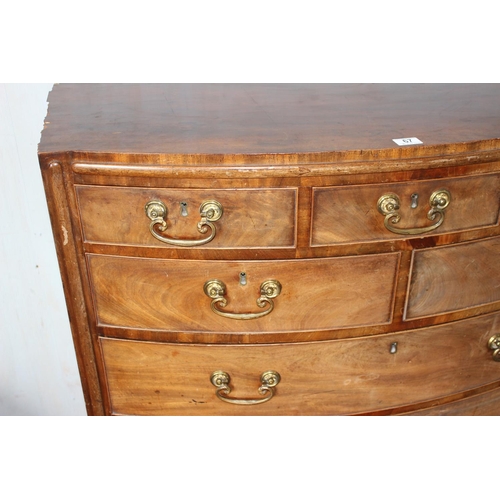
point(407, 141)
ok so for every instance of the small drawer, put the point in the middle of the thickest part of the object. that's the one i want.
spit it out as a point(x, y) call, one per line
point(453, 278)
point(364, 213)
point(322, 378)
point(270, 296)
point(217, 218)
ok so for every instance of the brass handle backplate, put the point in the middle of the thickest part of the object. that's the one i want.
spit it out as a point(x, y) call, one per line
point(216, 289)
point(494, 345)
point(210, 211)
point(269, 380)
point(389, 205)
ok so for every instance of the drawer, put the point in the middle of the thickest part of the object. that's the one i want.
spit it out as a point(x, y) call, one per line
point(484, 404)
point(182, 295)
point(331, 377)
point(349, 214)
point(440, 276)
point(249, 218)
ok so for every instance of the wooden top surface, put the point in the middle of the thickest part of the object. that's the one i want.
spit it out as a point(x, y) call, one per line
point(263, 119)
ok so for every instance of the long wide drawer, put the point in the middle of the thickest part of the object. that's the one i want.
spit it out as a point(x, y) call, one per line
point(324, 378)
point(483, 404)
point(243, 296)
point(246, 218)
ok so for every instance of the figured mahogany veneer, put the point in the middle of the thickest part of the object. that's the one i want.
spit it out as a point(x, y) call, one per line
point(334, 377)
point(374, 300)
point(349, 214)
point(252, 218)
point(440, 275)
point(317, 294)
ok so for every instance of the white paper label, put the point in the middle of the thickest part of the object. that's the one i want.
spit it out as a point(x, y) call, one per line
point(407, 141)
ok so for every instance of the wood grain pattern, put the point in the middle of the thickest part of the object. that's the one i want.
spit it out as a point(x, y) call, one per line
point(479, 405)
point(349, 214)
point(454, 277)
point(260, 218)
point(319, 169)
point(323, 378)
point(67, 253)
point(317, 294)
point(217, 120)
point(299, 169)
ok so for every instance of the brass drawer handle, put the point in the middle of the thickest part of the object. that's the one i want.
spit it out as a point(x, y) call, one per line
point(494, 345)
point(269, 380)
point(389, 205)
point(210, 211)
point(216, 289)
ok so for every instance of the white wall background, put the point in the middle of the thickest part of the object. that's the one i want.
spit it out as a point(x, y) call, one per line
point(38, 371)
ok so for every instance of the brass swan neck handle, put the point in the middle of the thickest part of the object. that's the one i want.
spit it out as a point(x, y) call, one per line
point(494, 345)
point(269, 380)
point(210, 211)
point(389, 205)
point(216, 289)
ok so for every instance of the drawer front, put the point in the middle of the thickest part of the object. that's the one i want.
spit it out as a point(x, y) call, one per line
point(251, 218)
point(485, 404)
point(350, 214)
point(333, 377)
point(453, 278)
point(316, 294)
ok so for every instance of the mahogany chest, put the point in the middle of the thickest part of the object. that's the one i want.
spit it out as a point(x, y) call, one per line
point(279, 249)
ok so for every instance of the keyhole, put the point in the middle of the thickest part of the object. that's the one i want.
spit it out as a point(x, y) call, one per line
point(243, 278)
point(414, 200)
point(184, 210)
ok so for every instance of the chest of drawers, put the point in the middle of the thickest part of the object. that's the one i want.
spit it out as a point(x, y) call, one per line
point(271, 250)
